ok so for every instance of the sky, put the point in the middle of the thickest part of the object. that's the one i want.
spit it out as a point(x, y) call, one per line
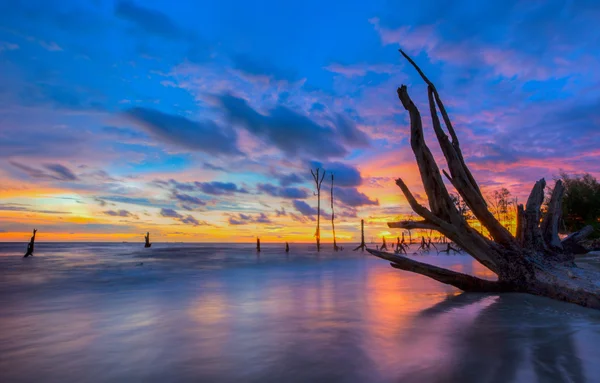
point(200, 120)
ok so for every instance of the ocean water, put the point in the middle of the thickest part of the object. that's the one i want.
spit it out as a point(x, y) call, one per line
point(90, 312)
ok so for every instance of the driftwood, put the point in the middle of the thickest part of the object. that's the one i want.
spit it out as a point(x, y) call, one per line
point(362, 245)
point(383, 244)
point(572, 242)
point(258, 244)
point(449, 248)
point(530, 262)
point(287, 247)
point(147, 238)
point(30, 245)
point(318, 183)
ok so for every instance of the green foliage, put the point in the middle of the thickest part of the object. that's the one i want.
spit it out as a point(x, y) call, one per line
point(581, 203)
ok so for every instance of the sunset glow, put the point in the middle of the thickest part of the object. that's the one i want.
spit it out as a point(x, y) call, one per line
point(120, 118)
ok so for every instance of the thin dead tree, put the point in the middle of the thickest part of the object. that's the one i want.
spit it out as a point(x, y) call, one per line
point(534, 261)
point(318, 183)
point(362, 245)
point(30, 245)
point(335, 246)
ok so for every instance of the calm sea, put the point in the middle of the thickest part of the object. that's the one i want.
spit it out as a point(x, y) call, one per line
point(98, 312)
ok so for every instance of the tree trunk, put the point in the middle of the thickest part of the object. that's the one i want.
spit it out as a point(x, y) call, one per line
point(335, 246)
point(362, 245)
point(318, 183)
point(534, 261)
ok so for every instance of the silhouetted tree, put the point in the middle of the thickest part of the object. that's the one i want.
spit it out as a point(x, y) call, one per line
point(581, 203)
point(335, 246)
point(362, 245)
point(318, 183)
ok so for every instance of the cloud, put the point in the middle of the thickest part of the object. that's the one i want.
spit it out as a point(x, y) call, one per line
point(56, 172)
point(219, 188)
point(344, 175)
point(187, 219)
point(352, 197)
point(149, 20)
point(293, 133)
point(27, 208)
point(4, 46)
point(289, 179)
point(283, 192)
point(244, 219)
point(186, 198)
point(259, 69)
point(304, 208)
point(360, 70)
point(203, 136)
point(120, 213)
point(280, 213)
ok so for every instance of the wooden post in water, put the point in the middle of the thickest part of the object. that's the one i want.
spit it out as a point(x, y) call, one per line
point(287, 247)
point(147, 238)
point(30, 245)
point(362, 245)
point(258, 244)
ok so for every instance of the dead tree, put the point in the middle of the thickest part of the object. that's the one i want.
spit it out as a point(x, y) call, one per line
point(30, 245)
point(258, 244)
point(318, 183)
point(362, 245)
point(147, 238)
point(335, 246)
point(530, 262)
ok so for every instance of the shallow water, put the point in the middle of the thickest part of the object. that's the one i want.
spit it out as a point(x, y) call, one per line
point(220, 313)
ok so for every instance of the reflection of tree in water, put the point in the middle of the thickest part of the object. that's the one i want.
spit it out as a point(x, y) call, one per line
point(494, 345)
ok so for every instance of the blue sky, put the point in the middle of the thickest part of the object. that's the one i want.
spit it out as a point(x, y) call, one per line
point(143, 114)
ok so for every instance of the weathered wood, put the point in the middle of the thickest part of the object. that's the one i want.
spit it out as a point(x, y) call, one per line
point(30, 245)
point(383, 244)
point(551, 219)
point(529, 262)
point(462, 281)
point(258, 244)
point(287, 247)
point(532, 238)
point(571, 243)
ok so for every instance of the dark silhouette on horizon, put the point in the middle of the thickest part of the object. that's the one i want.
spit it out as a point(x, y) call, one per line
point(362, 245)
point(318, 183)
point(30, 245)
point(147, 238)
